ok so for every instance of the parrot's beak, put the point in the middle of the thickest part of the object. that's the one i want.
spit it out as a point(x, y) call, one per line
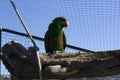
point(67, 24)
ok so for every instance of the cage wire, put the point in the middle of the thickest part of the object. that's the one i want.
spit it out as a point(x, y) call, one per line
point(94, 24)
point(26, 42)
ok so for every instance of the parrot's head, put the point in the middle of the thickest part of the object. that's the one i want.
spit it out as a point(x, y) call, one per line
point(61, 21)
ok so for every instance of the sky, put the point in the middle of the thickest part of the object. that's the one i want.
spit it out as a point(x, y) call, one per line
point(94, 24)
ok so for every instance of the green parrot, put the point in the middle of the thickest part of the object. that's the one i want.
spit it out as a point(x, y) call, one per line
point(55, 39)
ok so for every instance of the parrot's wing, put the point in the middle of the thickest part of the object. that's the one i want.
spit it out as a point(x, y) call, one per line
point(46, 43)
point(64, 40)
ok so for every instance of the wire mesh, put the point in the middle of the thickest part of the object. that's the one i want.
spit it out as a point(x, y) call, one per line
point(26, 42)
point(94, 24)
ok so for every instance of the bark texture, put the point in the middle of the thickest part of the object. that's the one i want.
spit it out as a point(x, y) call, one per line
point(22, 63)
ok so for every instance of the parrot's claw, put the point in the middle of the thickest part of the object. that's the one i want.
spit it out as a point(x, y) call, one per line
point(57, 51)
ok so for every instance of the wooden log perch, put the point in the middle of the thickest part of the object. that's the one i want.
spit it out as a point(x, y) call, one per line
point(22, 63)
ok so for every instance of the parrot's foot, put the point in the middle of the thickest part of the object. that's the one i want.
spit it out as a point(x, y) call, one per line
point(51, 55)
point(58, 51)
point(54, 52)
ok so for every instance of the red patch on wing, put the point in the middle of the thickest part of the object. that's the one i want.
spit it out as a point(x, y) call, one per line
point(63, 42)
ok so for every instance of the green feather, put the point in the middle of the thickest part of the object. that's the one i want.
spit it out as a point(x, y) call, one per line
point(55, 35)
